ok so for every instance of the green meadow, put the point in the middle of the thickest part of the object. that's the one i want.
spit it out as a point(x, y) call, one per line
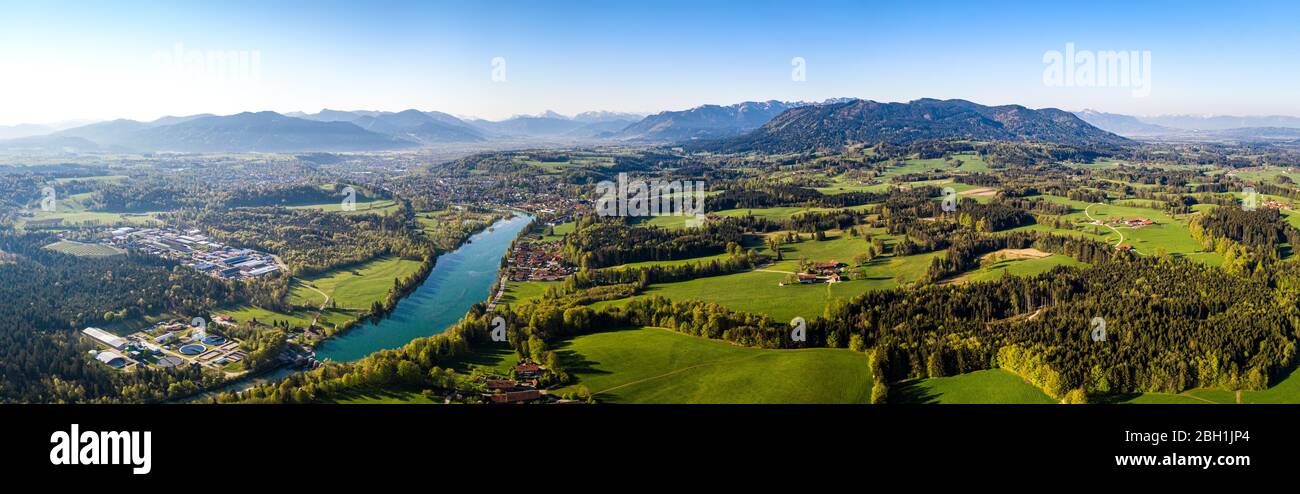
point(759, 291)
point(352, 290)
point(72, 211)
point(354, 287)
point(559, 231)
point(971, 163)
point(379, 206)
point(999, 386)
point(777, 213)
point(979, 387)
point(1286, 391)
point(80, 249)
point(653, 365)
point(380, 396)
point(1018, 267)
point(518, 292)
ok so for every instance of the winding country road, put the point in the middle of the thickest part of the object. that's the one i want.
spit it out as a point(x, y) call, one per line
point(1113, 229)
point(1086, 212)
point(316, 318)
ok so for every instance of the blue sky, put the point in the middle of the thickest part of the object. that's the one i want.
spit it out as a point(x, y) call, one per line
point(99, 60)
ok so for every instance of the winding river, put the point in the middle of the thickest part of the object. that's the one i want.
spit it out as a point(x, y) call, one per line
point(459, 279)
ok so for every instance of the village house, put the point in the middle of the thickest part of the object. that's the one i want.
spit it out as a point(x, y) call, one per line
point(1134, 222)
point(805, 278)
point(538, 261)
point(502, 385)
point(515, 396)
point(528, 370)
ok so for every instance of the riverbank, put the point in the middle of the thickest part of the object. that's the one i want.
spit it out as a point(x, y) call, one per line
point(440, 298)
point(458, 280)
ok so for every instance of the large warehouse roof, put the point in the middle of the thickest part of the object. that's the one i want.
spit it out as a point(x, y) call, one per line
point(105, 337)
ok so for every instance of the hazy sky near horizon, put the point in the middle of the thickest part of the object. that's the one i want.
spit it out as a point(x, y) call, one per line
point(65, 60)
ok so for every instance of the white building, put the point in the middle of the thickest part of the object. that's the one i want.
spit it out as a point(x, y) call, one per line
point(111, 359)
point(114, 341)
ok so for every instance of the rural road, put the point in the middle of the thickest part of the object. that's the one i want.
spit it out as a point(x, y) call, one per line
point(1086, 212)
point(322, 304)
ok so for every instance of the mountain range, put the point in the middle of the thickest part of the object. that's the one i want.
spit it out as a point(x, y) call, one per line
point(1207, 128)
point(243, 132)
point(868, 122)
point(752, 125)
point(705, 122)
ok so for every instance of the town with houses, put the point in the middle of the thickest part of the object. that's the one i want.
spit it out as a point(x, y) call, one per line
point(537, 260)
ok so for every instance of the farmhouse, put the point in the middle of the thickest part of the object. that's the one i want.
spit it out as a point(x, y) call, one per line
point(832, 277)
point(515, 396)
point(528, 370)
point(1134, 222)
point(1124, 247)
point(501, 384)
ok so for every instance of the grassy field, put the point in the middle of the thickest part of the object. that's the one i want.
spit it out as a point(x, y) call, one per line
point(1286, 391)
point(1267, 174)
point(80, 249)
point(1018, 267)
point(380, 397)
point(356, 287)
point(778, 213)
point(1157, 399)
point(759, 292)
point(653, 365)
point(971, 163)
point(576, 162)
point(1168, 233)
point(998, 386)
point(979, 387)
point(559, 231)
point(72, 211)
point(353, 290)
point(96, 178)
point(381, 206)
point(523, 291)
point(243, 313)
